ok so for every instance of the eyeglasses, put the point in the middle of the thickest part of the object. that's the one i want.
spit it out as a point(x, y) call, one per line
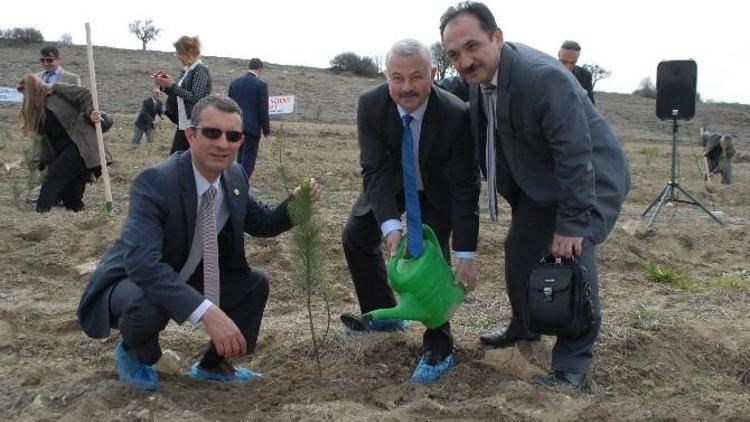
point(215, 133)
point(47, 59)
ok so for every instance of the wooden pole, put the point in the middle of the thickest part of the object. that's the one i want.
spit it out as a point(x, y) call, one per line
point(707, 171)
point(97, 125)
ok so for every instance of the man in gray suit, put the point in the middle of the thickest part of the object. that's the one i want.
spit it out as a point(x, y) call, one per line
point(181, 255)
point(554, 158)
point(54, 73)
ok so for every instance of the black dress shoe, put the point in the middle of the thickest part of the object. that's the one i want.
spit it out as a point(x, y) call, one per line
point(562, 379)
point(505, 337)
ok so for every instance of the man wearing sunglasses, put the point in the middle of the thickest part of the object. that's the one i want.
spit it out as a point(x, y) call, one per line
point(181, 255)
point(54, 73)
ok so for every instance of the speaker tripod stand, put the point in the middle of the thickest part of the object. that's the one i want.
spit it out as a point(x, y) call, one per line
point(668, 193)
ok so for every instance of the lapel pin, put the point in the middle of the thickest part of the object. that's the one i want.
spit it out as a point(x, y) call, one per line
point(236, 192)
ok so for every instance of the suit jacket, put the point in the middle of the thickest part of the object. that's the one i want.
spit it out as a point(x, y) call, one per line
point(456, 85)
point(149, 110)
point(251, 93)
point(553, 144)
point(712, 149)
point(447, 162)
point(157, 235)
point(65, 77)
point(72, 105)
point(584, 78)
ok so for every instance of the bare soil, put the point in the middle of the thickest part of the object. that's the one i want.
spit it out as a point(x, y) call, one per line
point(664, 353)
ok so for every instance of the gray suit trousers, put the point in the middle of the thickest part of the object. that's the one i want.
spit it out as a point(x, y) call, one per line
point(529, 238)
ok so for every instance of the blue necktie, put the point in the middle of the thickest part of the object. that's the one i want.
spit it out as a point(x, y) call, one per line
point(414, 241)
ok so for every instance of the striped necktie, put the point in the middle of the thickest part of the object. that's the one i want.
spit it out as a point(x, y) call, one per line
point(210, 247)
point(489, 151)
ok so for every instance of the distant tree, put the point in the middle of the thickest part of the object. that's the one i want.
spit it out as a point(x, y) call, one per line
point(27, 35)
point(66, 39)
point(597, 73)
point(441, 59)
point(379, 62)
point(646, 89)
point(351, 62)
point(144, 31)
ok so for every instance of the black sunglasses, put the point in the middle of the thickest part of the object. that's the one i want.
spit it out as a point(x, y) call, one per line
point(215, 133)
point(47, 59)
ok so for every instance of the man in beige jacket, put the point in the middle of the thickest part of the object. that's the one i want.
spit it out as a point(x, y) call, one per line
point(54, 73)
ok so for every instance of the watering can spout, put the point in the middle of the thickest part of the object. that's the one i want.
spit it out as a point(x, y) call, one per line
point(407, 309)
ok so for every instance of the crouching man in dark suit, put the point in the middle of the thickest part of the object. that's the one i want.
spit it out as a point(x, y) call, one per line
point(415, 142)
point(181, 255)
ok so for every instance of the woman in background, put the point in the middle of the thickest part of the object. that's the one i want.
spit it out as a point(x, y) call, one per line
point(194, 84)
point(64, 116)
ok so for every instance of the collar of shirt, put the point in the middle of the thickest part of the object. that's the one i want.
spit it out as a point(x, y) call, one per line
point(201, 186)
point(416, 133)
point(417, 114)
point(187, 69)
point(493, 82)
point(253, 72)
point(193, 66)
point(55, 73)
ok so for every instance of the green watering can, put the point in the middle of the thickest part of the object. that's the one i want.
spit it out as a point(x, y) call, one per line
point(424, 285)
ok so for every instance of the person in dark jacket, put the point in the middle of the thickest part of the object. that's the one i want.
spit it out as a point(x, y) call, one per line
point(181, 256)
point(568, 55)
point(251, 93)
point(64, 116)
point(144, 122)
point(456, 85)
point(194, 83)
point(718, 149)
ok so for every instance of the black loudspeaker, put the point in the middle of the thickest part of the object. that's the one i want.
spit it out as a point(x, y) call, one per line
point(675, 89)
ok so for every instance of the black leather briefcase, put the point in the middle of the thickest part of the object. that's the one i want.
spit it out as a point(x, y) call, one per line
point(558, 299)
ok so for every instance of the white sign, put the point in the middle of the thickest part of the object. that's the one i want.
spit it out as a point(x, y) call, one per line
point(10, 95)
point(281, 104)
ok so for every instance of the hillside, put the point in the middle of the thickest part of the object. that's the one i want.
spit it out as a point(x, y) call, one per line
point(675, 337)
point(123, 79)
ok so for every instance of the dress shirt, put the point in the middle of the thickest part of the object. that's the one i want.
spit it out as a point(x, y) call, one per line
point(51, 78)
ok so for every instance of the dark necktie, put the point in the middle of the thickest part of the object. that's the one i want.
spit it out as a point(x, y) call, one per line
point(414, 240)
point(489, 152)
point(210, 248)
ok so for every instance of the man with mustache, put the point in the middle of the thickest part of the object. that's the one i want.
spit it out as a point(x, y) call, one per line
point(410, 131)
point(547, 150)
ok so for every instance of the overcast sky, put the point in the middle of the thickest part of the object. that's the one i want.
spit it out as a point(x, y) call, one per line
point(627, 37)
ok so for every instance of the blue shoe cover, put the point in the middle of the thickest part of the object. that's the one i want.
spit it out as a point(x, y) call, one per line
point(240, 374)
point(426, 373)
point(132, 372)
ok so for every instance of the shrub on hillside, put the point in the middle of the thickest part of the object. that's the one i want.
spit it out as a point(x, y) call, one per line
point(66, 39)
point(351, 62)
point(647, 88)
point(27, 35)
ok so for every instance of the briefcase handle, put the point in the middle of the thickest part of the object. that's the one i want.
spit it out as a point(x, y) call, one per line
point(551, 260)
